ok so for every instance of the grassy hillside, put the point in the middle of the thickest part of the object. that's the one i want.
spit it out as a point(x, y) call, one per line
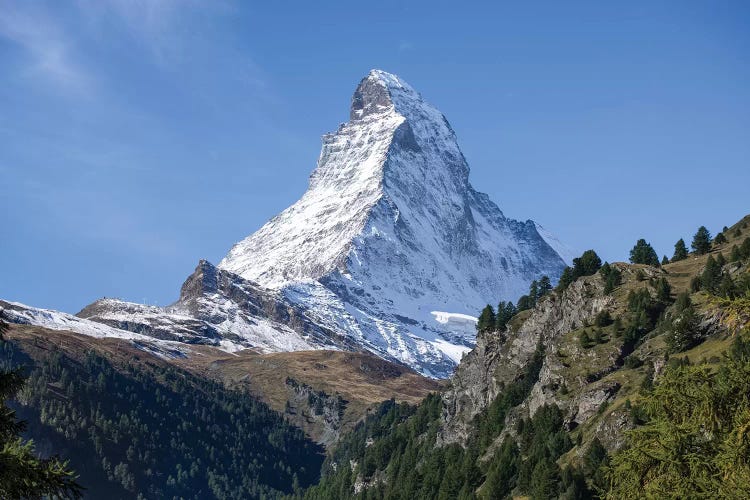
point(323, 392)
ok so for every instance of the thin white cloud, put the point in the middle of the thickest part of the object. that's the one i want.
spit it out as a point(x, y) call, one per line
point(44, 42)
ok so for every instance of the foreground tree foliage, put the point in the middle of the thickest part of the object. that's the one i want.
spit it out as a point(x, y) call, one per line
point(644, 253)
point(585, 265)
point(680, 251)
point(696, 441)
point(22, 473)
point(702, 241)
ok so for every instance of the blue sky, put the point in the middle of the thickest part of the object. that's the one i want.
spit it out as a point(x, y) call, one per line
point(137, 137)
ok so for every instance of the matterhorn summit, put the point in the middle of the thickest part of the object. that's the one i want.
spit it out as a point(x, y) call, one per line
point(390, 245)
point(389, 250)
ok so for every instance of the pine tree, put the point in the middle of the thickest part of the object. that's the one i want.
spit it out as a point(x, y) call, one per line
point(720, 239)
point(644, 253)
point(711, 277)
point(505, 312)
point(524, 303)
point(22, 473)
point(545, 286)
point(533, 292)
point(663, 290)
point(702, 241)
point(720, 260)
point(735, 254)
point(680, 251)
point(502, 472)
point(486, 320)
point(566, 278)
point(727, 288)
point(544, 479)
point(745, 248)
point(587, 264)
point(664, 260)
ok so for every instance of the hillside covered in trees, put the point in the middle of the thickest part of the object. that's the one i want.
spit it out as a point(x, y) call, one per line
point(626, 380)
point(134, 427)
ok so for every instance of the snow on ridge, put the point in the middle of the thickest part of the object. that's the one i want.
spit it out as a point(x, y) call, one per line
point(391, 229)
point(446, 317)
point(19, 313)
point(389, 236)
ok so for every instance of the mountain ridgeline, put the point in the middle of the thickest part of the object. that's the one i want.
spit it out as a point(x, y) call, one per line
point(390, 250)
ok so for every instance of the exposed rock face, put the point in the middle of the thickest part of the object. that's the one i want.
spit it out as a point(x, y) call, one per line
point(500, 358)
point(308, 408)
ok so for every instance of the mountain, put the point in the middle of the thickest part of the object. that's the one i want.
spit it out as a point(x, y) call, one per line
point(629, 382)
point(390, 250)
point(390, 233)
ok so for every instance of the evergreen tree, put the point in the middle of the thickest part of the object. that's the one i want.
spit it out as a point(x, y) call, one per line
point(735, 254)
point(586, 265)
point(745, 248)
point(533, 292)
point(595, 461)
point(486, 320)
point(720, 239)
point(544, 479)
point(502, 473)
point(603, 318)
point(598, 337)
point(22, 473)
point(664, 260)
point(584, 340)
point(702, 241)
point(711, 277)
point(524, 303)
point(545, 286)
point(566, 278)
point(727, 288)
point(663, 290)
point(720, 260)
point(505, 312)
point(683, 331)
point(680, 251)
point(644, 253)
point(612, 277)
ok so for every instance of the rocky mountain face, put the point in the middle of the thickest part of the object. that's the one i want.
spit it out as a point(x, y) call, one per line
point(217, 307)
point(390, 250)
point(500, 357)
point(590, 381)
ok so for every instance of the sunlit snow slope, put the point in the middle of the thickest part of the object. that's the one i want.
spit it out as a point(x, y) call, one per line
point(390, 230)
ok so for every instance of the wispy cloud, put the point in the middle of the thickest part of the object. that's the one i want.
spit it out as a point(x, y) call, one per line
point(44, 42)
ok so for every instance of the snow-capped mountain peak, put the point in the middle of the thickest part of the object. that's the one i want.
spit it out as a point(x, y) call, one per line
point(390, 229)
point(390, 249)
